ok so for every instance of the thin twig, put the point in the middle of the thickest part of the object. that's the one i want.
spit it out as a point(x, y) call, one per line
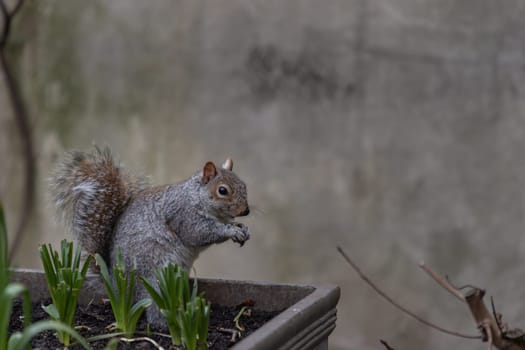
point(488, 332)
point(498, 318)
point(443, 282)
point(7, 18)
point(17, 7)
point(397, 305)
point(235, 333)
point(484, 319)
point(385, 344)
point(132, 340)
point(167, 336)
point(237, 318)
point(22, 121)
point(465, 286)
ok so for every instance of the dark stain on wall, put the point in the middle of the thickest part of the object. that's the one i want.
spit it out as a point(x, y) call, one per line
point(271, 72)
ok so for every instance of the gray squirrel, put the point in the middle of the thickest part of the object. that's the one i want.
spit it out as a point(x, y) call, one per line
point(108, 210)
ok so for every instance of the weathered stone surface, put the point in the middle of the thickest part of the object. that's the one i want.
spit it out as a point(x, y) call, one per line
point(394, 128)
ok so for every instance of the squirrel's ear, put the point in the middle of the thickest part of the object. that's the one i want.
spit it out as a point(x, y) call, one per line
point(228, 164)
point(209, 172)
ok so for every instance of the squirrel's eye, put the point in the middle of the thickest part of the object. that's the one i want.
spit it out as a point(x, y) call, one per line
point(223, 190)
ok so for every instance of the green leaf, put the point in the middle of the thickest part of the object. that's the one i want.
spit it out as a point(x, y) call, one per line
point(157, 298)
point(140, 306)
point(15, 340)
point(7, 295)
point(4, 256)
point(64, 279)
point(52, 311)
point(85, 267)
point(9, 291)
point(136, 312)
point(76, 258)
point(23, 340)
point(203, 327)
point(121, 294)
point(186, 313)
point(105, 278)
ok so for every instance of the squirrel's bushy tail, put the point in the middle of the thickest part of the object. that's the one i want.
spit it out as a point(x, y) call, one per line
point(90, 191)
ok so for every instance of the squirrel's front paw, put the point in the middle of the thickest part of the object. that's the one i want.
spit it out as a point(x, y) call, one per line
point(240, 233)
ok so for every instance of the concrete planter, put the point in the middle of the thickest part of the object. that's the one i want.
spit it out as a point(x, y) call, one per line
point(307, 320)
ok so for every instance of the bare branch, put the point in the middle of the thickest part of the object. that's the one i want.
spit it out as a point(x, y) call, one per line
point(498, 317)
point(17, 7)
point(486, 326)
point(6, 21)
point(443, 282)
point(385, 344)
point(398, 306)
point(484, 319)
point(7, 17)
point(22, 121)
point(490, 325)
point(3, 9)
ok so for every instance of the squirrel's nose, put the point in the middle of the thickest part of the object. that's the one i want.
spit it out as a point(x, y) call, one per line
point(245, 212)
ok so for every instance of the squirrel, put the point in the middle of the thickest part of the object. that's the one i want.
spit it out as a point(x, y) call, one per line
point(111, 212)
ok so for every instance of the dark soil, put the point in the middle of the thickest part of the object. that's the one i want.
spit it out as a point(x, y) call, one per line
point(92, 320)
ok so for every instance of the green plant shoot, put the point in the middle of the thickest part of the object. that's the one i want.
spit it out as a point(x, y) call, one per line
point(237, 319)
point(4, 256)
point(186, 313)
point(193, 321)
point(22, 340)
point(64, 277)
point(10, 291)
point(121, 294)
point(173, 293)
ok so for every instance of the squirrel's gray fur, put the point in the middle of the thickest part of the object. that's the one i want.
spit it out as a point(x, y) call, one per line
point(109, 211)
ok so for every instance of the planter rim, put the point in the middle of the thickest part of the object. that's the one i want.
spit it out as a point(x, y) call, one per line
point(303, 325)
point(202, 279)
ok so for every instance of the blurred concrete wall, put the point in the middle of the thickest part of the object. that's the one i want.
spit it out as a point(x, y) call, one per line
point(394, 128)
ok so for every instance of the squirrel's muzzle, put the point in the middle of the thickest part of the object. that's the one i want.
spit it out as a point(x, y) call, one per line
point(245, 212)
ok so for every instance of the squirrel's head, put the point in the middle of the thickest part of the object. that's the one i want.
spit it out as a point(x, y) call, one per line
point(226, 191)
